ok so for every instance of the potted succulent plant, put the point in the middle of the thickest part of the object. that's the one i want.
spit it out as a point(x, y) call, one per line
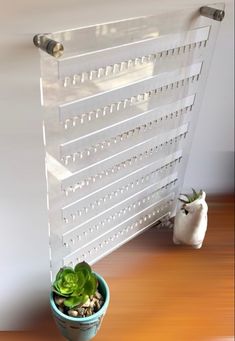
point(190, 223)
point(79, 299)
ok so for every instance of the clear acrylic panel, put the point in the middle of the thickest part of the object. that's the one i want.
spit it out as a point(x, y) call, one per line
point(120, 107)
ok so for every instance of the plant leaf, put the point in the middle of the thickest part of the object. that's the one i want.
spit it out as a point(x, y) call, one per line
point(73, 301)
point(64, 288)
point(64, 271)
point(185, 195)
point(81, 280)
point(83, 268)
point(56, 291)
point(69, 282)
point(91, 285)
point(196, 195)
point(59, 273)
point(184, 201)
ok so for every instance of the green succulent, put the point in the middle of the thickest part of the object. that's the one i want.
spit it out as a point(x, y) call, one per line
point(192, 197)
point(76, 285)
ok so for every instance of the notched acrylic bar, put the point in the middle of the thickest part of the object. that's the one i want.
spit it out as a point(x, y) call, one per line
point(141, 88)
point(98, 141)
point(120, 58)
point(123, 161)
point(123, 232)
point(87, 207)
point(98, 226)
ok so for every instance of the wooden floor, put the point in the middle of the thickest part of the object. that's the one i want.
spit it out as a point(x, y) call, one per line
point(164, 292)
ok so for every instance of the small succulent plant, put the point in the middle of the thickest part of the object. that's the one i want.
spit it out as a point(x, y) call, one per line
point(189, 198)
point(75, 285)
point(192, 197)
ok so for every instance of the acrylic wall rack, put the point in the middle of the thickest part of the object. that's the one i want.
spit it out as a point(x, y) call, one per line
point(120, 104)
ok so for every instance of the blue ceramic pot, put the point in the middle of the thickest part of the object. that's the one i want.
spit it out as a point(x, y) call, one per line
point(83, 328)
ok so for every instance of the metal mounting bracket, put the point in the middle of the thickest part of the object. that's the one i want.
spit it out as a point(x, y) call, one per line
point(212, 13)
point(50, 46)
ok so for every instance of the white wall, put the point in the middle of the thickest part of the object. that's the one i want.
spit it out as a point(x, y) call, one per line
point(24, 238)
point(211, 163)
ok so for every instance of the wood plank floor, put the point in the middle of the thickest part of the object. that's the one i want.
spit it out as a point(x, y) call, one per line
point(164, 292)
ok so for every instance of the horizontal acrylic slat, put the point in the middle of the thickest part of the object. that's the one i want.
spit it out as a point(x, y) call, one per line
point(115, 192)
point(99, 225)
point(126, 160)
point(123, 232)
point(115, 96)
point(120, 57)
point(132, 128)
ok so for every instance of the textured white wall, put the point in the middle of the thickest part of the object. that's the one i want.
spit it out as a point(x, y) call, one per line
point(24, 256)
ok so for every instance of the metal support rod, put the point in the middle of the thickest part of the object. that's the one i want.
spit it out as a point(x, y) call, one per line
point(52, 47)
point(212, 13)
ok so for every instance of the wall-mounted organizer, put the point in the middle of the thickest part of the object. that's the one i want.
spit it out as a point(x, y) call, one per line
point(120, 105)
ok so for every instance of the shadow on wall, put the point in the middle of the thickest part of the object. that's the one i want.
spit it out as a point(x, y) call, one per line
point(211, 166)
point(41, 324)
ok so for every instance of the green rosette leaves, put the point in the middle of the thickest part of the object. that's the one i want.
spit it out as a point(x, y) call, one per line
point(74, 301)
point(76, 285)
